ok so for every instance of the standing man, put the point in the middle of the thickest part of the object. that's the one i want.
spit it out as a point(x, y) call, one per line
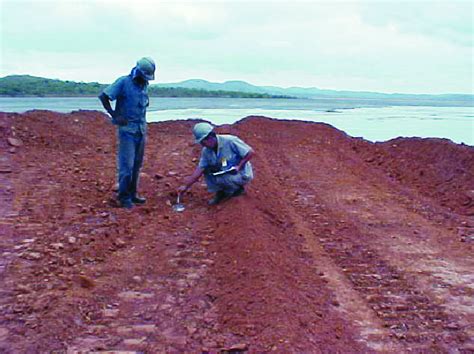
point(129, 116)
point(224, 163)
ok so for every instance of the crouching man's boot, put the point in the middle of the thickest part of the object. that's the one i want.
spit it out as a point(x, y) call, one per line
point(219, 198)
point(238, 192)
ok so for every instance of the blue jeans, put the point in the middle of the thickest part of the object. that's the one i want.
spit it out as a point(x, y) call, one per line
point(131, 148)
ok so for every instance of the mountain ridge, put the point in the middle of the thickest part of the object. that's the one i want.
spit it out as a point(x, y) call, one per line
point(240, 86)
point(302, 92)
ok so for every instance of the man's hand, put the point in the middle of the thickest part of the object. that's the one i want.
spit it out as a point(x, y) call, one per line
point(106, 103)
point(245, 159)
point(182, 189)
point(189, 181)
point(119, 120)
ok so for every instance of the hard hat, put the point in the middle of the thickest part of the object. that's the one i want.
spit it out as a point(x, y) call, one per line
point(147, 67)
point(201, 131)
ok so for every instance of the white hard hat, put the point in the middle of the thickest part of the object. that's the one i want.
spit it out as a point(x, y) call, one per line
point(201, 131)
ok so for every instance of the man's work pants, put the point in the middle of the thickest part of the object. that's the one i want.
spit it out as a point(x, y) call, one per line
point(228, 182)
point(131, 148)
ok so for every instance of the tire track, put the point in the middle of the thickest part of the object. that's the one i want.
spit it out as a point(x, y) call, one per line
point(353, 218)
point(414, 317)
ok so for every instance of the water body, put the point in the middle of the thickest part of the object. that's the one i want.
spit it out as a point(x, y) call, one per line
point(374, 120)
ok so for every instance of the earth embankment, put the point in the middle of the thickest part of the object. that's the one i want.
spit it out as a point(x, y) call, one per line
point(338, 245)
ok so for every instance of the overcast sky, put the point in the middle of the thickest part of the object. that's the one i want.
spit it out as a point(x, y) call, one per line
point(385, 46)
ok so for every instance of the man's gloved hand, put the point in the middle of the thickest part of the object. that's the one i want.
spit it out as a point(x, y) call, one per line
point(119, 120)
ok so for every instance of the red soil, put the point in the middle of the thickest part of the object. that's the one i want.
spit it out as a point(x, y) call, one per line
point(339, 245)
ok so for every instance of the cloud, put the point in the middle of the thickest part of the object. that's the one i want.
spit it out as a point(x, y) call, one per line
point(451, 21)
point(386, 46)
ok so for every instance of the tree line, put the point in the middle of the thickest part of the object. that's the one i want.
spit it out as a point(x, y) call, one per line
point(26, 85)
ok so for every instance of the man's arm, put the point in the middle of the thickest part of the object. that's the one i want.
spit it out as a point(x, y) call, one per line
point(245, 159)
point(189, 181)
point(105, 100)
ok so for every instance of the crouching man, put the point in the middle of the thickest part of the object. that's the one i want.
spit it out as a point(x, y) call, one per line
point(224, 163)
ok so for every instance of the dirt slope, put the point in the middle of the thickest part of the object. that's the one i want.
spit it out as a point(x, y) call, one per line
point(340, 245)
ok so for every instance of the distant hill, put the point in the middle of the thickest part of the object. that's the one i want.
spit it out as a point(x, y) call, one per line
point(311, 92)
point(240, 86)
point(26, 85)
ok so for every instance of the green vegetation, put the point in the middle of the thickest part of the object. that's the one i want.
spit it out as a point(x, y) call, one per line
point(25, 85)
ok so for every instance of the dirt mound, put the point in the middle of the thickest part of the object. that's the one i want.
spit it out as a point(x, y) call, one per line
point(339, 244)
point(437, 168)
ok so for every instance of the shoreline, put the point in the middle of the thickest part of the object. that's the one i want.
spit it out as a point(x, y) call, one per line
point(375, 124)
point(398, 100)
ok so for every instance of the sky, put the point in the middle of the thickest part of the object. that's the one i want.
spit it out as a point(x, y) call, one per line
point(383, 46)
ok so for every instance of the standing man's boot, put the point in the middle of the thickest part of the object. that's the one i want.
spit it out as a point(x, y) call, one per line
point(127, 204)
point(138, 200)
